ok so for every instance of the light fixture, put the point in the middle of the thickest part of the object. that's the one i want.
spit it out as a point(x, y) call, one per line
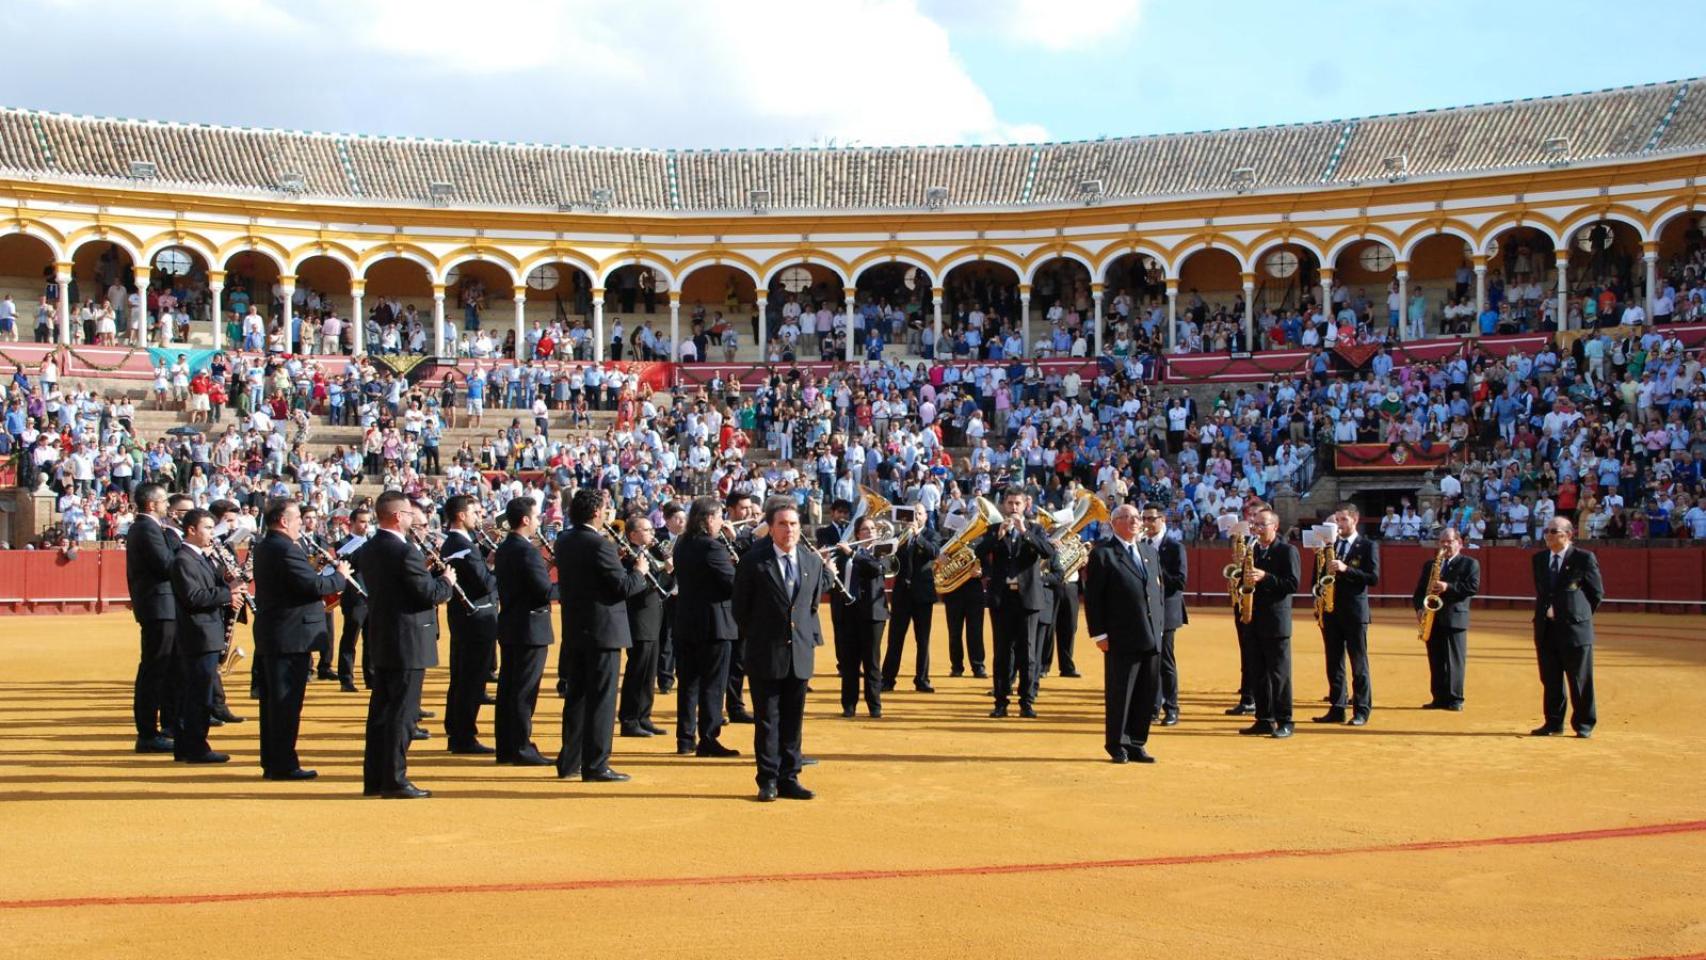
point(935, 198)
point(602, 198)
point(1091, 192)
point(143, 170)
point(759, 201)
point(440, 193)
point(1556, 150)
point(293, 183)
point(1243, 178)
point(1397, 168)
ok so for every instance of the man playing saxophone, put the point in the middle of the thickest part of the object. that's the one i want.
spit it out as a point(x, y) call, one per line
point(1274, 575)
point(1447, 584)
point(1354, 564)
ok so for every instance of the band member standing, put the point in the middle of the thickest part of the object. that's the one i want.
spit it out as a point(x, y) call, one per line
point(290, 618)
point(313, 536)
point(645, 624)
point(1275, 578)
point(740, 509)
point(1448, 641)
point(353, 604)
point(912, 603)
point(1567, 593)
point(1174, 570)
point(1249, 655)
point(525, 592)
point(402, 632)
point(473, 630)
point(204, 601)
point(776, 591)
point(964, 607)
point(857, 616)
point(704, 631)
point(674, 523)
point(1355, 564)
point(1124, 603)
point(225, 532)
point(1063, 631)
point(1014, 556)
point(149, 550)
point(595, 589)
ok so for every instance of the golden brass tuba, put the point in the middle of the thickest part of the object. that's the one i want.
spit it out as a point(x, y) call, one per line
point(1071, 549)
point(958, 563)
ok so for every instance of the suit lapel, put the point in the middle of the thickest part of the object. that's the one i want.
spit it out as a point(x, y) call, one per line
point(773, 563)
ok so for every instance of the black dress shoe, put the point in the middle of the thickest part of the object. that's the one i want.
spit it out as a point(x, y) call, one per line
point(407, 791)
point(1260, 728)
point(1170, 720)
point(1546, 730)
point(956, 672)
point(324, 675)
point(1357, 720)
point(1334, 715)
point(475, 749)
point(1585, 733)
point(998, 712)
point(924, 687)
point(1455, 707)
point(847, 713)
point(1139, 755)
point(531, 758)
point(653, 729)
point(491, 678)
point(606, 775)
point(766, 792)
point(154, 744)
point(428, 714)
point(1026, 710)
point(215, 722)
point(348, 687)
point(712, 748)
point(297, 774)
point(1117, 756)
point(569, 774)
point(487, 700)
point(1241, 710)
point(740, 716)
point(685, 749)
point(791, 790)
point(876, 713)
point(210, 756)
point(634, 730)
point(1281, 731)
point(665, 687)
point(1435, 705)
point(980, 673)
point(1070, 674)
point(888, 686)
point(254, 693)
point(419, 733)
point(224, 713)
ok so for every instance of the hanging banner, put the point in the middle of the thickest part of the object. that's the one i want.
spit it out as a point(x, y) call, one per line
point(1389, 457)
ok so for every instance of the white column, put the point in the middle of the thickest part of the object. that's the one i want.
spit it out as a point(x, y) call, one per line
point(142, 275)
point(1562, 262)
point(287, 291)
point(1172, 314)
point(438, 319)
point(358, 317)
point(521, 351)
point(936, 317)
point(216, 289)
point(763, 328)
point(674, 325)
point(598, 324)
point(1480, 294)
point(62, 276)
point(847, 294)
point(1096, 290)
point(1403, 303)
point(1650, 258)
point(1249, 311)
point(1327, 293)
point(1024, 319)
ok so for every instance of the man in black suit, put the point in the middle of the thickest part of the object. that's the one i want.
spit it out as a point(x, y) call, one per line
point(225, 534)
point(1174, 575)
point(911, 604)
point(1275, 577)
point(204, 601)
point(1014, 556)
point(857, 612)
point(1448, 642)
point(964, 608)
point(473, 630)
point(525, 592)
point(704, 630)
point(402, 632)
point(313, 537)
point(674, 524)
point(595, 590)
point(353, 604)
point(740, 509)
point(645, 623)
point(1567, 593)
point(1355, 565)
point(148, 573)
point(1124, 610)
point(1249, 652)
point(290, 617)
point(776, 592)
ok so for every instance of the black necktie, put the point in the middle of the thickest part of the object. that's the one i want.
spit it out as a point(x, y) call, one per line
point(788, 574)
point(1557, 565)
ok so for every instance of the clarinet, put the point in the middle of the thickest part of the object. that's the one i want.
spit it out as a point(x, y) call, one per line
point(330, 558)
point(438, 566)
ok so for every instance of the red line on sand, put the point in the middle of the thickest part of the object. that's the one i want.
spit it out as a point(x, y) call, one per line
point(901, 873)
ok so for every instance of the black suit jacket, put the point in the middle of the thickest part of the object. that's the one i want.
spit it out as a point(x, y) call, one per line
point(1026, 563)
point(1350, 589)
point(402, 604)
point(1271, 616)
point(353, 602)
point(1462, 576)
point(645, 609)
point(290, 612)
point(595, 589)
point(525, 592)
point(1122, 604)
point(864, 585)
point(705, 585)
point(915, 570)
point(203, 600)
point(1175, 573)
point(477, 583)
point(827, 535)
point(1572, 596)
point(148, 570)
point(779, 632)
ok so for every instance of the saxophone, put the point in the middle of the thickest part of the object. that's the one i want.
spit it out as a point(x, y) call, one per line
point(1246, 586)
point(1324, 582)
point(1234, 572)
point(1432, 603)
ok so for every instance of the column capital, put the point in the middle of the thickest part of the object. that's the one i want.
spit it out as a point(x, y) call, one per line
point(598, 293)
point(287, 280)
point(142, 273)
point(1024, 291)
point(1172, 287)
point(216, 278)
point(1480, 262)
point(520, 292)
point(936, 300)
point(675, 298)
point(357, 287)
point(1650, 256)
point(763, 301)
point(1248, 278)
point(64, 266)
point(1561, 255)
point(849, 292)
point(1404, 272)
point(937, 292)
point(1097, 288)
point(1326, 274)
point(438, 291)
point(1650, 248)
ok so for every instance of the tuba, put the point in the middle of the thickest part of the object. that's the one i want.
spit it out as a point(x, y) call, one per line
point(874, 505)
point(958, 563)
point(1432, 603)
point(1071, 548)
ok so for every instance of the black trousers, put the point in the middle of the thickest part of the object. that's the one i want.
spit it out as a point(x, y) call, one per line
point(1015, 651)
point(589, 709)
point(666, 649)
point(639, 684)
point(1042, 638)
point(1249, 663)
point(1063, 633)
point(1167, 676)
point(1273, 681)
point(702, 679)
point(470, 659)
point(1348, 638)
point(355, 625)
point(904, 613)
point(736, 679)
point(778, 715)
point(155, 692)
point(856, 644)
point(519, 673)
point(197, 672)
point(1448, 656)
point(391, 713)
point(284, 681)
point(1566, 670)
point(1128, 698)
point(965, 620)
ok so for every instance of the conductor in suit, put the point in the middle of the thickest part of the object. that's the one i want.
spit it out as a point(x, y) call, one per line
point(1014, 557)
point(595, 589)
point(204, 600)
point(1174, 575)
point(148, 573)
point(525, 592)
point(1124, 608)
point(402, 632)
point(911, 604)
point(1355, 564)
point(704, 630)
point(290, 618)
point(1448, 642)
point(776, 591)
point(473, 629)
point(1567, 592)
point(1275, 577)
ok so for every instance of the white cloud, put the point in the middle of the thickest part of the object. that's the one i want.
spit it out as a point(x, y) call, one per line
point(1055, 26)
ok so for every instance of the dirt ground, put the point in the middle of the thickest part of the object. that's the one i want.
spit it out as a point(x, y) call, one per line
point(937, 832)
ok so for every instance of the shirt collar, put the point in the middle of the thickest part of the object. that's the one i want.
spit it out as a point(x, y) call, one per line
point(785, 554)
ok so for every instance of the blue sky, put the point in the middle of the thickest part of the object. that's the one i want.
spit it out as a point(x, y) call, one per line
point(745, 73)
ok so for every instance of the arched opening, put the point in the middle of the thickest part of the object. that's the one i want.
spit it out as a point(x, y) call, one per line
point(1211, 302)
point(901, 292)
point(1606, 267)
point(1520, 280)
point(326, 281)
point(471, 289)
point(636, 288)
point(1365, 281)
point(103, 276)
point(26, 275)
point(1288, 278)
point(177, 285)
point(399, 307)
point(1442, 283)
point(1682, 264)
point(981, 300)
point(720, 302)
point(559, 305)
point(1060, 292)
point(798, 291)
point(1136, 284)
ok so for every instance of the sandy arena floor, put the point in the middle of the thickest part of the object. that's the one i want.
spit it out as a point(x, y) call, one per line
point(937, 831)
